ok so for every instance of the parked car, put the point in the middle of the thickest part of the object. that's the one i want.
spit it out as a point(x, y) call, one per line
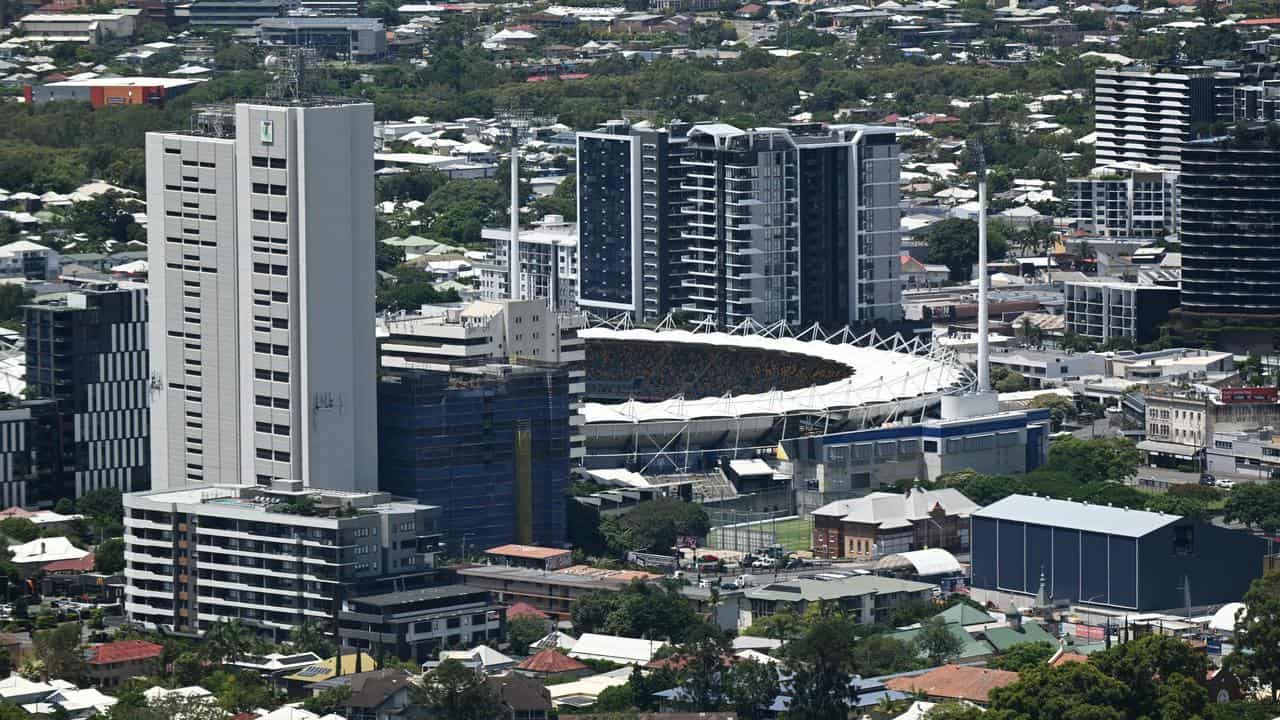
point(1225, 484)
point(1207, 479)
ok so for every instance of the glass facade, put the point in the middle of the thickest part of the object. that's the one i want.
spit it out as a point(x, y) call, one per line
point(605, 218)
point(1230, 217)
point(490, 448)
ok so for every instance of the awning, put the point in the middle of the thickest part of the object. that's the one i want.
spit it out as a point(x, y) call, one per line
point(1183, 452)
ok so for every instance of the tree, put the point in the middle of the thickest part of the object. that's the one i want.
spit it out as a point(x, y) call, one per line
point(653, 611)
point(227, 640)
point(656, 525)
point(1095, 460)
point(782, 625)
point(65, 506)
point(882, 655)
point(704, 677)
point(937, 642)
point(1071, 691)
point(591, 611)
point(524, 630)
point(1257, 634)
point(58, 652)
point(108, 216)
point(823, 663)
point(1022, 656)
point(313, 637)
point(1256, 505)
point(108, 557)
point(452, 691)
point(1060, 409)
point(12, 298)
point(329, 700)
point(954, 243)
point(19, 529)
point(752, 688)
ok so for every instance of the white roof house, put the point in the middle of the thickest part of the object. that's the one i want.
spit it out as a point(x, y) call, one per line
point(615, 649)
point(891, 510)
point(45, 550)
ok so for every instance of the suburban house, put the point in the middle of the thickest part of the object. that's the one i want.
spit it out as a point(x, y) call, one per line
point(109, 664)
point(884, 523)
point(962, 683)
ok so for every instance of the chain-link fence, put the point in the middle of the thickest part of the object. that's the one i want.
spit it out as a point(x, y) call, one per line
point(752, 531)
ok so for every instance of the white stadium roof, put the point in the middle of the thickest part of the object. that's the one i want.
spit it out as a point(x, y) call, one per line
point(883, 372)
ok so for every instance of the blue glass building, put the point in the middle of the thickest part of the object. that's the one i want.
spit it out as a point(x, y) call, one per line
point(489, 444)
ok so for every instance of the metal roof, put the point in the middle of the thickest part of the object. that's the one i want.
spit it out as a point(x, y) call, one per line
point(1076, 515)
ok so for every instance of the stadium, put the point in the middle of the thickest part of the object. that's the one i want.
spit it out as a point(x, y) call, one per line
point(665, 399)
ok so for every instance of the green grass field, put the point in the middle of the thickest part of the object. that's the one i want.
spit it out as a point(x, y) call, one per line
point(794, 534)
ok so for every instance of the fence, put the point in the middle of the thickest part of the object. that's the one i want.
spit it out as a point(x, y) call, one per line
point(754, 531)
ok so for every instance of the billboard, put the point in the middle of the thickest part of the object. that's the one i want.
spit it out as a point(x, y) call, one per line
point(1244, 395)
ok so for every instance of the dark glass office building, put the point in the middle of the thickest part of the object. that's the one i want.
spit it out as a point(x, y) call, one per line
point(88, 353)
point(1230, 219)
point(488, 444)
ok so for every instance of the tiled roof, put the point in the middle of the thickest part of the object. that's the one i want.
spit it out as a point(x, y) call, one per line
point(524, 609)
point(122, 651)
point(955, 682)
point(528, 552)
point(83, 565)
point(550, 661)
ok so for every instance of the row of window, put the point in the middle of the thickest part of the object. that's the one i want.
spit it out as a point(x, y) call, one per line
point(270, 429)
point(277, 163)
point(271, 215)
point(277, 455)
point(265, 401)
point(269, 349)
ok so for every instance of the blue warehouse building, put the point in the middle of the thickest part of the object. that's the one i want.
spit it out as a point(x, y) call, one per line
point(1108, 556)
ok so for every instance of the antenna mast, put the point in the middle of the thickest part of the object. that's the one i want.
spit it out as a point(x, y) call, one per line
point(984, 344)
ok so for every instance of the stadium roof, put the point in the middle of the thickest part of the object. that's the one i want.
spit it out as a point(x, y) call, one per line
point(1076, 515)
point(880, 374)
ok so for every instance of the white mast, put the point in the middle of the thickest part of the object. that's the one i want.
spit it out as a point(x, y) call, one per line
point(984, 348)
point(513, 251)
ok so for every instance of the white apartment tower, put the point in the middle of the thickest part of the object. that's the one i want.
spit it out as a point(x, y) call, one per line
point(262, 337)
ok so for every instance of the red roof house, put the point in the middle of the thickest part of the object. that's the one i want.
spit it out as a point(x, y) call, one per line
point(550, 662)
point(110, 664)
point(70, 567)
point(955, 682)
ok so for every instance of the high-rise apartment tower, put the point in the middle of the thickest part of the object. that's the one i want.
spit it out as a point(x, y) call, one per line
point(262, 335)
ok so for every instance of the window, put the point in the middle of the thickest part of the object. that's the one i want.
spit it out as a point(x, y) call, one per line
point(259, 161)
point(1184, 540)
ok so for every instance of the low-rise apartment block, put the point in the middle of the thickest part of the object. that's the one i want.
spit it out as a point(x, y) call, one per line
point(271, 558)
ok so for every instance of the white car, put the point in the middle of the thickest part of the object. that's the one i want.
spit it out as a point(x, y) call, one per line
point(1224, 483)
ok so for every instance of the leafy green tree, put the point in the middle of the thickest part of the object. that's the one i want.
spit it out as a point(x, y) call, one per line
point(12, 298)
point(591, 611)
point(1022, 656)
point(954, 243)
point(823, 663)
point(452, 691)
point(524, 630)
point(937, 643)
point(227, 640)
point(954, 711)
point(1011, 382)
point(618, 698)
point(412, 289)
point(782, 625)
point(656, 525)
point(19, 529)
point(1071, 691)
point(330, 700)
point(108, 557)
point(1256, 505)
point(1060, 409)
point(65, 506)
point(108, 216)
point(313, 637)
point(1177, 505)
point(752, 688)
point(652, 611)
point(1180, 698)
point(58, 652)
point(704, 675)
point(1096, 459)
point(1257, 635)
point(882, 655)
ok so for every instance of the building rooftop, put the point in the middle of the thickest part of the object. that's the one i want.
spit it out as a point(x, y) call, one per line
point(127, 82)
point(441, 592)
point(302, 23)
point(955, 682)
point(894, 510)
point(289, 500)
point(571, 576)
point(123, 651)
point(812, 589)
point(527, 552)
point(1076, 515)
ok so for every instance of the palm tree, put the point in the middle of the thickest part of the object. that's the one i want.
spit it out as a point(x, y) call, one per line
point(227, 639)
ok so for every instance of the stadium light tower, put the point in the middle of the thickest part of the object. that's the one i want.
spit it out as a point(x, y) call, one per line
point(984, 344)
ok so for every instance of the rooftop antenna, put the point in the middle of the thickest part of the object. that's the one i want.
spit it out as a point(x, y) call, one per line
point(984, 345)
